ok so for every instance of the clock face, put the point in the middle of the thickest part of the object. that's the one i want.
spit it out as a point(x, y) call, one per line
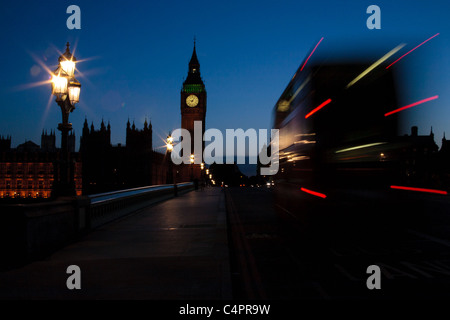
point(192, 101)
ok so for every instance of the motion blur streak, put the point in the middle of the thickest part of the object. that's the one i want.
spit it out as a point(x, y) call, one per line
point(311, 53)
point(323, 104)
point(300, 89)
point(376, 64)
point(411, 105)
point(412, 50)
point(360, 147)
point(314, 193)
point(419, 189)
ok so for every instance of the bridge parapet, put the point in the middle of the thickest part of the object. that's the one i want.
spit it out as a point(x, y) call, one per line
point(32, 231)
point(109, 206)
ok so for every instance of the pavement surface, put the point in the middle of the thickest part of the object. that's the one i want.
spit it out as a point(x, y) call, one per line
point(174, 250)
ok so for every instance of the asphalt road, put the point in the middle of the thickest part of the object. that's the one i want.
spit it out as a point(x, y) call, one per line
point(277, 255)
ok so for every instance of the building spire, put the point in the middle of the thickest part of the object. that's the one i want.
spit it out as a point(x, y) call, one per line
point(194, 65)
point(194, 77)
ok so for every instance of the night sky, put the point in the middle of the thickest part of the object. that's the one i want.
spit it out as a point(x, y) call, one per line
point(134, 56)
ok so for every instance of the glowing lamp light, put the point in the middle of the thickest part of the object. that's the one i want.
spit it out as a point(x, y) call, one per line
point(68, 66)
point(59, 85)
point(202, 166)
point(192, 158)
point(74, 91)
point(169, 143)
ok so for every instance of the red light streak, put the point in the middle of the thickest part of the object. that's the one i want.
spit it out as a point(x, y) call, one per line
point(311, 53)
point(411, 105)
point(412, 50)
point(419, 189)
point(323, 104)
point(314, 193)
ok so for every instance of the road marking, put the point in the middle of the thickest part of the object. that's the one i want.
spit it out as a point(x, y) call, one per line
point(252, 279)
point(431, 238)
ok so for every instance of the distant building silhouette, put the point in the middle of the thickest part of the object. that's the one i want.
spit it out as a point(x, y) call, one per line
point(28, 170)
point(95, 150)
point(444, 162)
point(107, 167)
point(48, 141)
point(139, 155)
point(5, 143)
point(28, 146)
point(418, 158)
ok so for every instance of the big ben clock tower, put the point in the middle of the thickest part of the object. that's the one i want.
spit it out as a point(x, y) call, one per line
point(193, 102)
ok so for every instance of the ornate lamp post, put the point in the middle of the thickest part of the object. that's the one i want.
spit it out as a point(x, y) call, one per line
point(191, 159)
point(202, 176)
point(171, 177)
point(67, 92)
point(169, 148)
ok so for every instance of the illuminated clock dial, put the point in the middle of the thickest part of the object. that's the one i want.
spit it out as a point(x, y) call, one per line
point(192, 101)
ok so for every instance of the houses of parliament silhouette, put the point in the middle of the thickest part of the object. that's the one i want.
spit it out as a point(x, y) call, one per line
point(28, 170)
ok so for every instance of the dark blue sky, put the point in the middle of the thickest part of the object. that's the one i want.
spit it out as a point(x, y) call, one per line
point(137, 54)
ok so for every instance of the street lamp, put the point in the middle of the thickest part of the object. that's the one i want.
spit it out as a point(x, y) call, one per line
point(171, 177)
point(169, 148)
point(169, 143)
point(67, 91)
point(191, 159)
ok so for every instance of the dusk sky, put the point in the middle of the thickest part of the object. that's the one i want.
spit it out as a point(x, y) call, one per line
point(134, 56)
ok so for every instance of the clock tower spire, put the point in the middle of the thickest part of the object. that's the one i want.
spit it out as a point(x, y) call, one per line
point(194, 70)
point(193, 103)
